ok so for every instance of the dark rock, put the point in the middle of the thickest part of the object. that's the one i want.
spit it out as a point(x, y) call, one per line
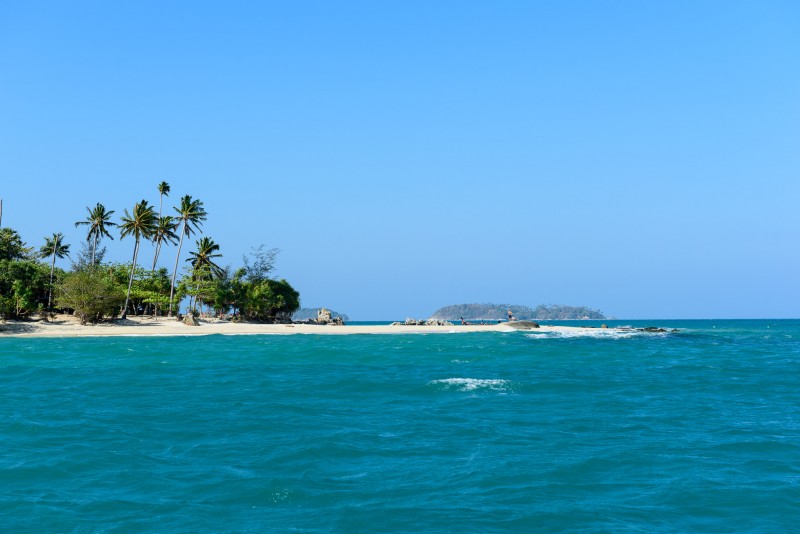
point(523, 325)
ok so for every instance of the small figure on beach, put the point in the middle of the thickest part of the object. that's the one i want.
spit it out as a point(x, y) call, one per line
point(510, 315)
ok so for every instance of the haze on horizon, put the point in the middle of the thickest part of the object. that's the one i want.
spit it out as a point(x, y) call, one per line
point(637, 158)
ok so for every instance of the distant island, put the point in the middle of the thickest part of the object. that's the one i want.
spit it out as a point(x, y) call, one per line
point(494, 312)
point(304, 314)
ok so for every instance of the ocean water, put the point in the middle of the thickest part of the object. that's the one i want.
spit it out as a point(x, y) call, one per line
point(695, 431)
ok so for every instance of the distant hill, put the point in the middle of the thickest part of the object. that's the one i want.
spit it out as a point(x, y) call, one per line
point(304, 314)
point(494, 312)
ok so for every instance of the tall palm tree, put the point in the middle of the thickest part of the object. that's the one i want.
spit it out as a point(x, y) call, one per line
point(163, 191)
point(204, 257)
point(141, 223)
point(98, 221)
point(203, 266)
point(53, 246)
point(191, 216)
point(165, 231)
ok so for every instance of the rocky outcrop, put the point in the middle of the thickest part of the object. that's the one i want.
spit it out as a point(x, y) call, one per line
point(190, 319)
point(422, 322)
point(324, 317)
point(310, 314)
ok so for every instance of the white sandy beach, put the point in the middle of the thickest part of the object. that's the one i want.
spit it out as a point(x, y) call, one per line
point(67, 326)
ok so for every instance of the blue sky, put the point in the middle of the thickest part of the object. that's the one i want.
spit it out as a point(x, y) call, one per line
point(637, 157)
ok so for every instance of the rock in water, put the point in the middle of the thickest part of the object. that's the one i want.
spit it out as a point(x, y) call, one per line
point(523, 325)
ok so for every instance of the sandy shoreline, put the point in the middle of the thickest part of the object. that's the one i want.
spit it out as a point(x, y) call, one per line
point(65, 326)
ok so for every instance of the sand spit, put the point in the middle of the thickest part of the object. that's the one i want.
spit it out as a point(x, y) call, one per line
point(66, 326)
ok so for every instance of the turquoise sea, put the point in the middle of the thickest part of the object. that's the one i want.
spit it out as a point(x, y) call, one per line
point(695, 431)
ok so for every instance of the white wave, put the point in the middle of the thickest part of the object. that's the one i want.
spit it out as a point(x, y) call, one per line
point(599, 333)
point(472, 384)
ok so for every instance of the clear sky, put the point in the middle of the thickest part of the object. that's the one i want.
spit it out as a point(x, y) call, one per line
point(642, 158)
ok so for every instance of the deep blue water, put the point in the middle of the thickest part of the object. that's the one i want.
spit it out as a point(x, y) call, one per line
point(697, 431)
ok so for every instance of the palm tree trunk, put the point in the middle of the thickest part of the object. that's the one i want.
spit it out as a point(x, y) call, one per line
point(158, 245)
point(130, 281)
point(175, 271)
point(52, 271)
point(94, 248)
point(155, 258)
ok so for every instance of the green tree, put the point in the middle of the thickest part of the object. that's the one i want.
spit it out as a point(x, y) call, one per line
point(260, 263)
point(140, 223)
point(53, 247)
point(22, 298)
point(165, 231)
point(150, 287)
point(190, 217)
point(204, 257)
point(11, 245)
point(271, 300)
point(23, 287)
point(198, 284)
point(92, 293)
point(237, 290)
point(98, 221)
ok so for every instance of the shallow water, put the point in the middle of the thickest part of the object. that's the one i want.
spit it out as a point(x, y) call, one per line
point(693, 431)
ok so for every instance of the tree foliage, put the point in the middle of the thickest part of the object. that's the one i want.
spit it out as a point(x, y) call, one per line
point(93, 294)
point(94, 289)
point(99, 221)
point(12, 247)
point(140, 223)
point(23, 287)
point(270, 300)
point(260, 263)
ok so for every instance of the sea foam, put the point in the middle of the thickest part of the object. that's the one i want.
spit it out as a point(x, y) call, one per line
point(598, 333)
point(471, 384)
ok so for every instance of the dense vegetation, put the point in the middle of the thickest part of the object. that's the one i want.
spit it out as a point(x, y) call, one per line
point(94, 290)
point(494, 312)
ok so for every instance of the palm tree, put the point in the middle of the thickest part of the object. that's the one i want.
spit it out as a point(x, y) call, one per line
point(97, 221)
point(191, 215)
point(163, 191)
point(142, 223)
point(53, 246)
point(165, 231)
point(203, 267)
point(204, 256)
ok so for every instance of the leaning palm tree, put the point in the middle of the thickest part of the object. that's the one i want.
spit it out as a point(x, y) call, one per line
point(204, 256)
point(53, 246)
point(163, 191)
point(165, 231)
point(141, 223)
point(98, 222)
point(191, 216)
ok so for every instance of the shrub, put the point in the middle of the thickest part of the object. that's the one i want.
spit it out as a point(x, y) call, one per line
point(92, 293)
